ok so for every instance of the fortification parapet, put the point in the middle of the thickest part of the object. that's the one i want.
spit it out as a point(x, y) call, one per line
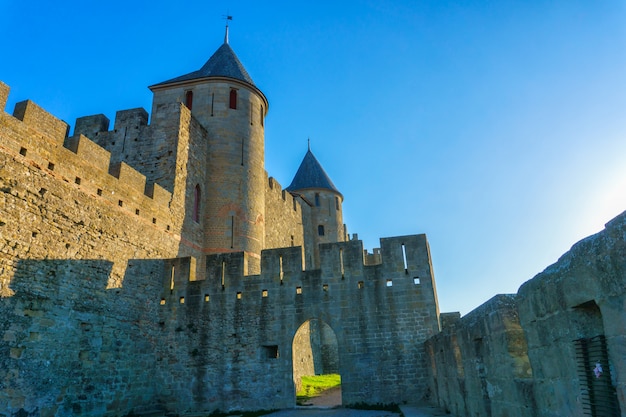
point(37, 138)
point(342, 259)
point(4, 95)
point(39, 119)
point(131, 119)
point(281, 265)
point(83, 147)
point(341, 264)
point(90, 126)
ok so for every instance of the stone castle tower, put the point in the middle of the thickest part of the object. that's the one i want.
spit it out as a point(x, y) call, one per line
point(228, 201)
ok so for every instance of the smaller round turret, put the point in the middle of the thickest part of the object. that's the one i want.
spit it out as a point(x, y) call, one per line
point(315, 187)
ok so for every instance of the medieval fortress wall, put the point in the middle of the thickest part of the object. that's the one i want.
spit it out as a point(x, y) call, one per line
point(106, 309)
point(556, 348)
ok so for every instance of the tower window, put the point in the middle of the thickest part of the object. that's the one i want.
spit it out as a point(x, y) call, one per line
point(233, 98)
point(320, 230)
point(189, 99)
point(317, 199)
point(261, 115)
point(336, 203)
point(196, 204)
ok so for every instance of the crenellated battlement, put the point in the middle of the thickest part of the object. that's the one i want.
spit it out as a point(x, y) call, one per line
point(39, 139)
point(405, 269)
point(276, 191)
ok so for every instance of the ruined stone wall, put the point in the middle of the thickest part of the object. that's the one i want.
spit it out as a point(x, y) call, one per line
point(557, 348)
point(479, 364)
point(579, 299)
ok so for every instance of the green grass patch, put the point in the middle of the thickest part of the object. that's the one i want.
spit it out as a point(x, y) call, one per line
point(313, 386)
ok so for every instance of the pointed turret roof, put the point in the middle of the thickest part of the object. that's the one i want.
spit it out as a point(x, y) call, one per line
point(223, 63)
point(311, 175)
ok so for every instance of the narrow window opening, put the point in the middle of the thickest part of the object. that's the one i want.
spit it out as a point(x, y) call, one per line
point(360, 285)
point(317, 199)
point(162, 301)
point(154, 220)
point(261, 114)
point(280, 266)
point(232, 232)
point(189, 99)
point(337, 203)
point(99, 191)
point(242, 153)
point(50, 166)
point(23, 151)
point(341, 263)
point(167, 227)
point(77, 180)
point(239, 295)
point(233, 98)
point(182, 300)
point(34, 234)
point(389, 283)
point(223, 275)
point(120, 203)
point(196, 204)
point(172, 279)
point(406, 267)
point(298, 290)
point(325, 287)
point(207, 298)
point(416, 281)
point(320, 230)
point(137, 212)
point(292, 240)
point(264, 293)
point(251, 117)
point(212, 101)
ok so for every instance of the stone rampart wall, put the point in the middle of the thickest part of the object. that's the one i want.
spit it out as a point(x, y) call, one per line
point(557, 348)
point(160, 341)
point(581, 298)
point(230, 336)
point(479, 364)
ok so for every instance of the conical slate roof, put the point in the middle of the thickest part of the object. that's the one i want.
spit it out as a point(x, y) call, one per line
point(223, 63)
point(311, 175)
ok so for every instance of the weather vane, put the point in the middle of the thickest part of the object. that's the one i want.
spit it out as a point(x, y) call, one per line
point(226, 17)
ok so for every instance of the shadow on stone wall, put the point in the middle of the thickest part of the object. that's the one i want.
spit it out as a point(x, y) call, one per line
point(71, 346)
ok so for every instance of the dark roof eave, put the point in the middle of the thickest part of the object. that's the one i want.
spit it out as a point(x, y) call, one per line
point(299, 190)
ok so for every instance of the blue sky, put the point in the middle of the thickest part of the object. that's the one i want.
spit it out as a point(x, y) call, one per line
point(496, 128)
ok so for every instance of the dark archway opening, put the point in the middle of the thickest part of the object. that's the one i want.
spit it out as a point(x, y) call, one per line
point(316, 365)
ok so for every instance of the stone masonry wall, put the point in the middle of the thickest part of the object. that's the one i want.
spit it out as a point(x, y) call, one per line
point(557, 348)
point(101, 316)
point(581, 296)
point(479, 364)
point(69, 224)
point(230, 337)
point(283, 217)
